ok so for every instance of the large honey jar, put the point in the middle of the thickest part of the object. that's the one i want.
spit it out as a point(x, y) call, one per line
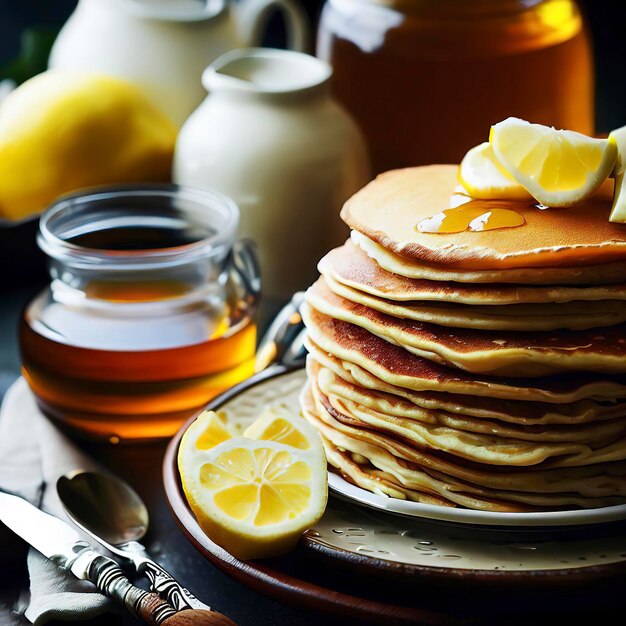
point(426, 78)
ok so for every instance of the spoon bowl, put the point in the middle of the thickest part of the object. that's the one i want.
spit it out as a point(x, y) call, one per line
point(104, 506)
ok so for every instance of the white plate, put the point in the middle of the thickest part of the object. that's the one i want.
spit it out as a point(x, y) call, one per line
point(404, 546)
point(577, 517)
point(284, 390)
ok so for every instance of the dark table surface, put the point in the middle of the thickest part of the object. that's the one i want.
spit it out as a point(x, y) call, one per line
point(141, 466)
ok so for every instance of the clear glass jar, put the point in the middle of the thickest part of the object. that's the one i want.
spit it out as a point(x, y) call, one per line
point(149, 314)
point(425, 79)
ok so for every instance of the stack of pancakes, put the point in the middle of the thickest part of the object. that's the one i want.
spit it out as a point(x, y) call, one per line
point(477, 369)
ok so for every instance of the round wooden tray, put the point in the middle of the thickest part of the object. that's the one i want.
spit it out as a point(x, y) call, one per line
point(386, 555)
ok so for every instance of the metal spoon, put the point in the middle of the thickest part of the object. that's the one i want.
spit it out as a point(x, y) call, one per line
point(111, 512)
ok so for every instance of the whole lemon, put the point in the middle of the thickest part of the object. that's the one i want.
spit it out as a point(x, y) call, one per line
point(61, 131)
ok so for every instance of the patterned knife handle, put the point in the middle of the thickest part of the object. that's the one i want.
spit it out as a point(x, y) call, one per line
point(162, 583)
point(108, 577)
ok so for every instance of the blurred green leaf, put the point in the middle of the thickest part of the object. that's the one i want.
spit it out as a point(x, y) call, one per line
point(36, 45)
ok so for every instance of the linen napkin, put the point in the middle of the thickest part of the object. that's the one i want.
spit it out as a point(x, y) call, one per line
point(33, 454)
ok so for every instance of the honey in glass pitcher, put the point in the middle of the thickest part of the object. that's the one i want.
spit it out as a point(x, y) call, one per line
point(425, 79)
point(150, 312)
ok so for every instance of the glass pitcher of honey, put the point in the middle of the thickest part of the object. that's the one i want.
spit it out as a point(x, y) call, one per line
point(425, 79)
point(149, 314)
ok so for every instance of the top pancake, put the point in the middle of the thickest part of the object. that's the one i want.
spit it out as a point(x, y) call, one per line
point(388, 209)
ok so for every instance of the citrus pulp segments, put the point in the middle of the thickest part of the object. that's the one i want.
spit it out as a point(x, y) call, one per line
point(255, 498)
point(255, 494)
point(206, 432)
point(278, 425)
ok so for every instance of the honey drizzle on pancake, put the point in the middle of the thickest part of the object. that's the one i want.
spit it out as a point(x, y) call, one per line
point(474, 216)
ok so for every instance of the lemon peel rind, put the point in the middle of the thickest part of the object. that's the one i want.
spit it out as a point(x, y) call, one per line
point(618, 208)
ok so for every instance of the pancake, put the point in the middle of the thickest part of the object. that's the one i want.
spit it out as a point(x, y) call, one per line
point(398, 367)
point(485, 352)
point(352, 267)
point(571, 315)
point(367, 477)
point(393, 476)
point(477, 447)
point(510, 411)
point(574, 315)
point(389, 208)
point(520, 412)
point(599, 480)
point(489, 449)
point(607, 273)
point(401, 475)
point(371, 407)
point(423, 487)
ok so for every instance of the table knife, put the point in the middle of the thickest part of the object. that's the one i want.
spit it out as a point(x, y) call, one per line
point(60, 543)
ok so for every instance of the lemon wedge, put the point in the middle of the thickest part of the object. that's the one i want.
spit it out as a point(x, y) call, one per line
point(618, 211)
point(557, 167)
point(254, 497)
point(483, 177)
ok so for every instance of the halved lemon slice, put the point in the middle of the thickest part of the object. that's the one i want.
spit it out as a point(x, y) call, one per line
point(483, 177)
point(255, 498)
point(618, 211)
point(254, 495)
point(558, 167)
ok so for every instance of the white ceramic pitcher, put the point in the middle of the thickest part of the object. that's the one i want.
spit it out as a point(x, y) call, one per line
point(270, 136)
point(163, 46)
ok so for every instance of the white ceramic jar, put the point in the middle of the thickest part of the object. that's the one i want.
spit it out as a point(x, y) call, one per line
point(270, 136)
point(163, 46)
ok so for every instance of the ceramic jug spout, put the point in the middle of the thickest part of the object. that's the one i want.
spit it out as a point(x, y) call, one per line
point(277, 74)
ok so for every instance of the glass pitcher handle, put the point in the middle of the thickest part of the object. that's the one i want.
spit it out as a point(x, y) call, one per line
point(254, 14)
point(245, 262)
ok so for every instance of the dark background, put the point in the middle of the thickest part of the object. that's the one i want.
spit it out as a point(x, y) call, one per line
point(607, 19)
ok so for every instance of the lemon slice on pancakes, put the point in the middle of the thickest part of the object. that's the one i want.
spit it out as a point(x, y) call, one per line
point(618, 210)
point(557, 167)
point(254, 497)
point(483, 177)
